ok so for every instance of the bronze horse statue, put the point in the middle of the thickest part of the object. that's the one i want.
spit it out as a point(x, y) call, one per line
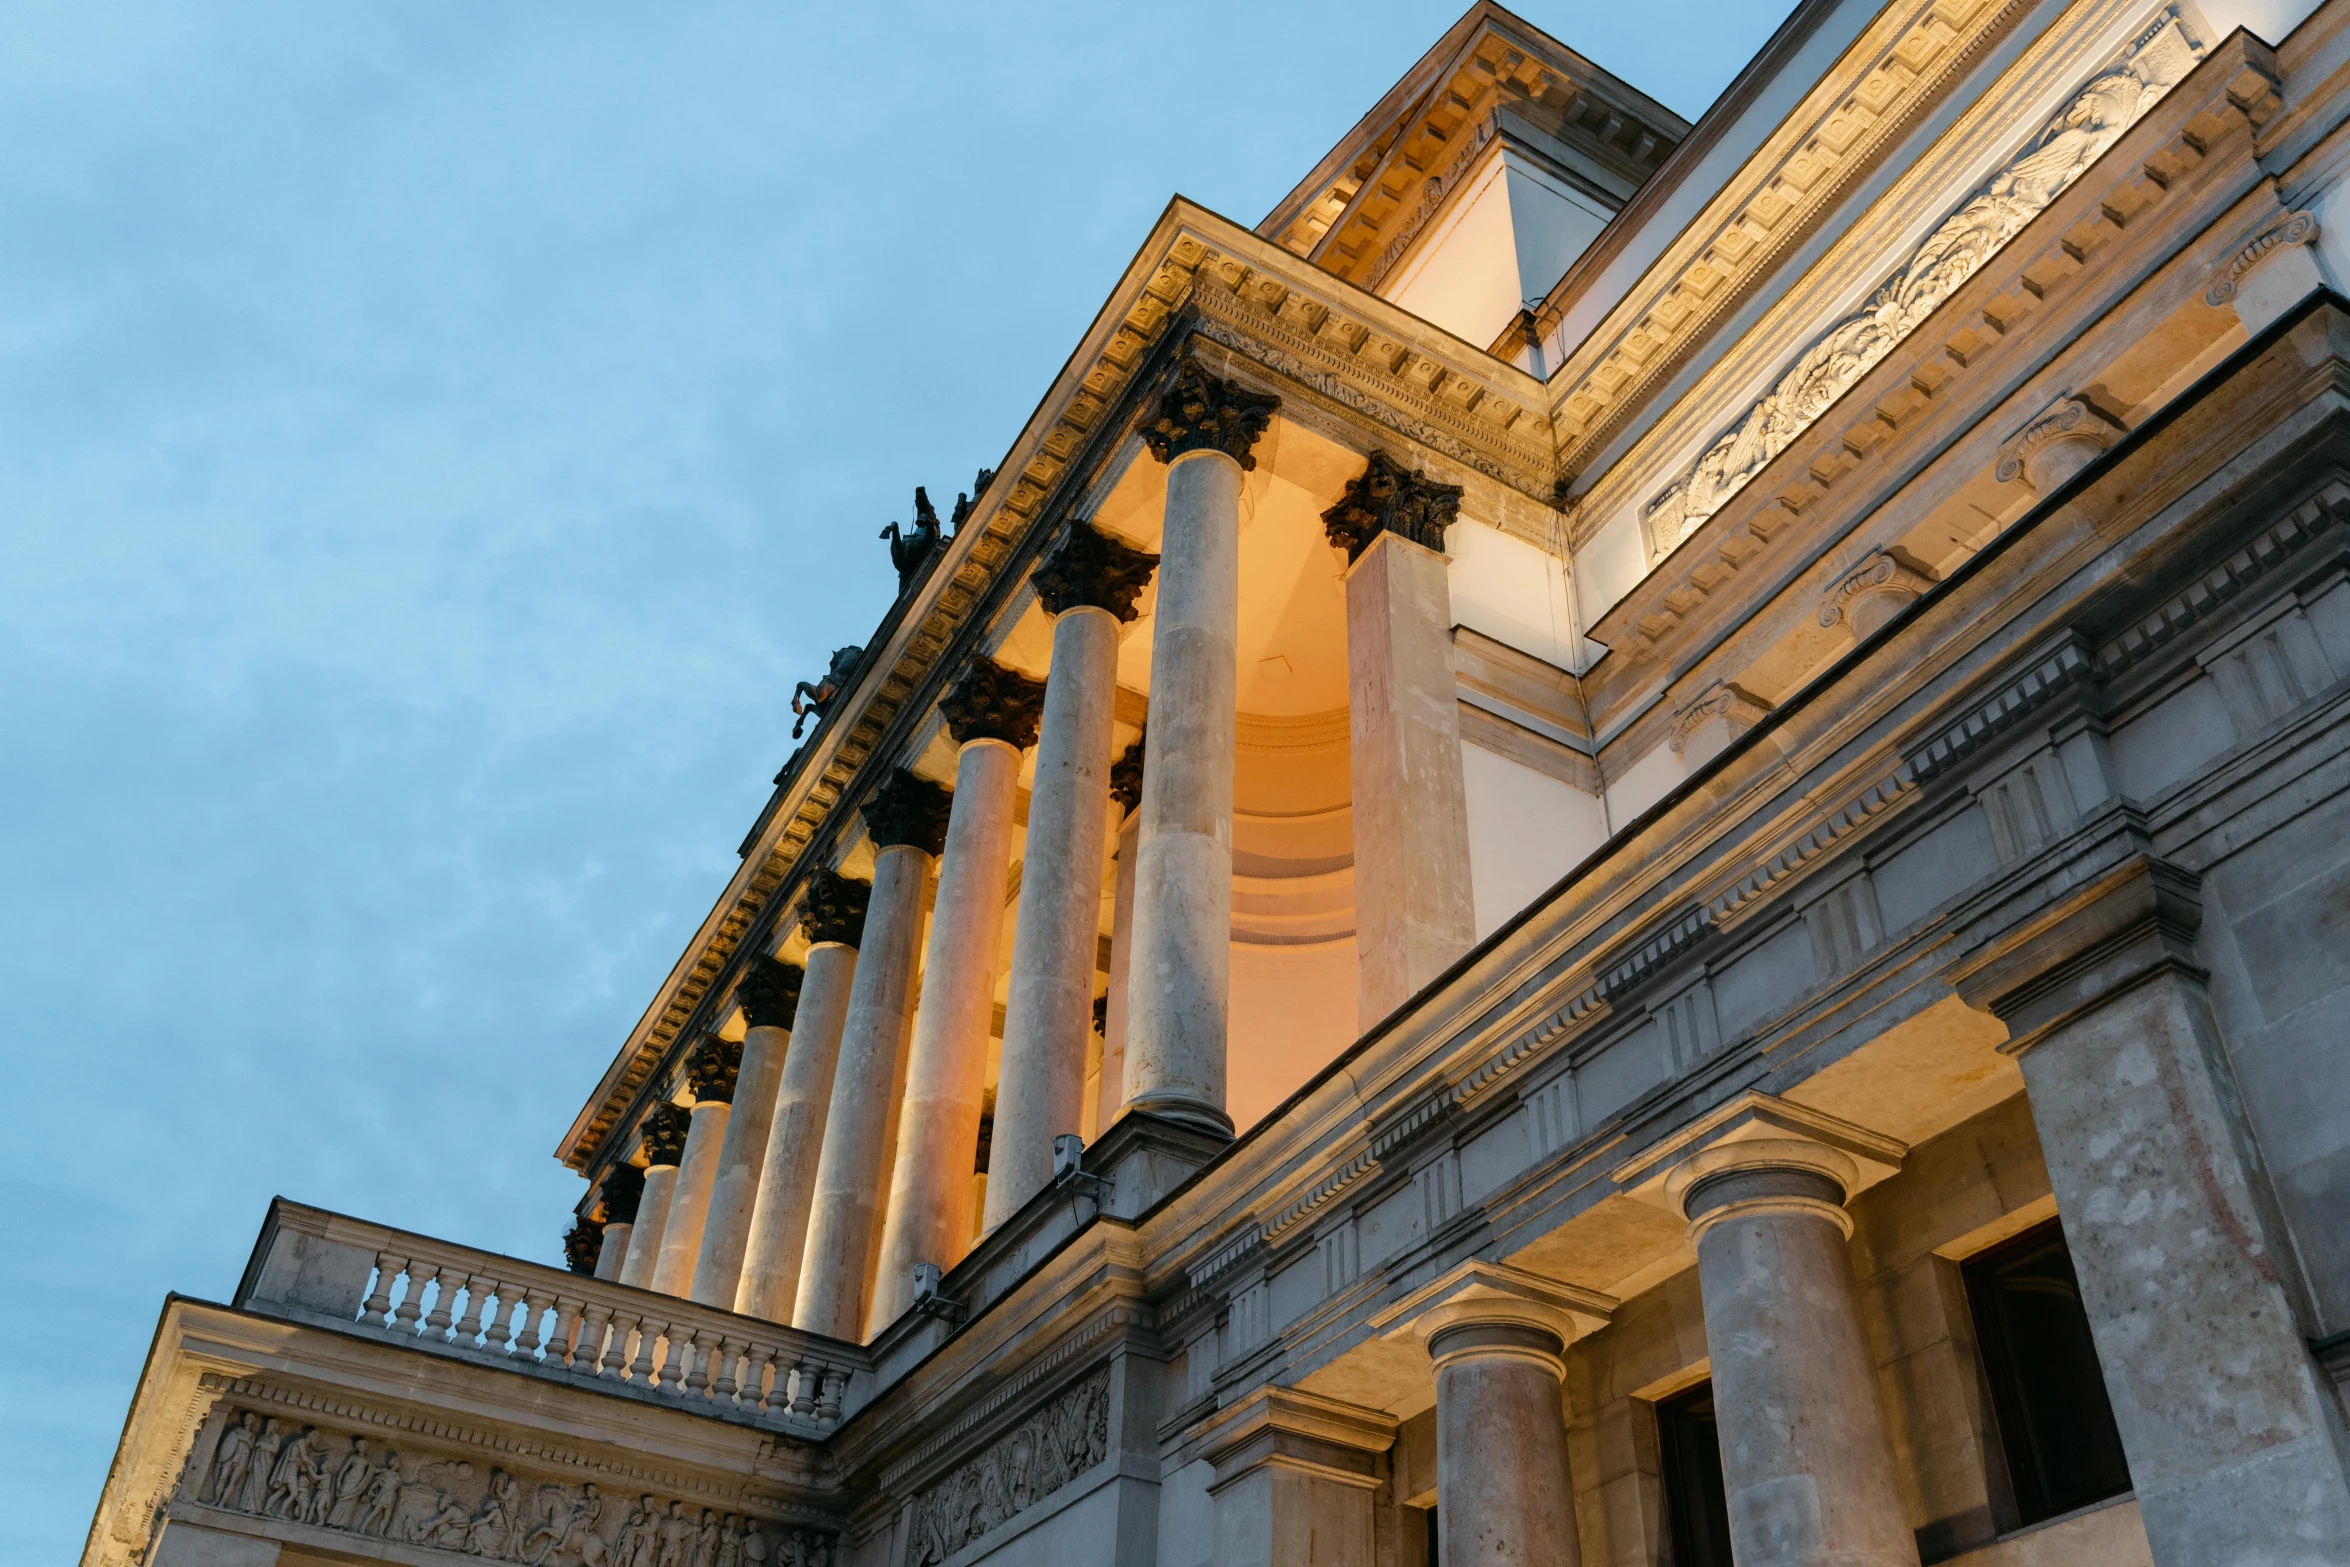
point(817, 698)
point(910, 549)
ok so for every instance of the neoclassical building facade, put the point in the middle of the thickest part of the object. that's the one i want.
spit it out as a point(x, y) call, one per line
point(1626, 843)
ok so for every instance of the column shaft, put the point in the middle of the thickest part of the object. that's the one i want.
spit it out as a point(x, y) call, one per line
point(2234, 1441)
point(1115, 1009)
point(929, 1217)
point(1415, 911)
point(849, 1171)
point(614, 1252)
point(727, 1230)
point(1804, 1455)
point(1503, 1498)
point(652, 1212)
point(689, 1199)
point(1179, 979)
point(770, 1280)
point(1048, 1013)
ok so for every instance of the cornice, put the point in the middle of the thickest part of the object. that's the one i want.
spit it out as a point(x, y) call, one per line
point(1377, 367)
point(1885, 83)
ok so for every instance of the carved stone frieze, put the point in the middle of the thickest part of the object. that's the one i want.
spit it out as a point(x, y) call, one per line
point(833, 908)
point(908, 810)
point(1060, 1441)
point(1090, 568)
point(623, 1188)
point(2058, 154)
point(666, 1125)
point(710, 1071)
point(1387, 497)
point(1201, 412)
point(581, 1243)
point(270, 1467)
point(993, 702)
point(770, 993)
point(1126, 776)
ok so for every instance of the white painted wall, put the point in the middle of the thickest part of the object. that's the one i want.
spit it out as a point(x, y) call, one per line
point(1526, 830)
point(1644, 783)
point(1503, 239)
point(1512, 591)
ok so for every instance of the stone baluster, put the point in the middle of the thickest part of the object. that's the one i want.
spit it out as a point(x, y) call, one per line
point(485, 1300)
point(1126, 793)
point(907, 819)
point(523, 1341)
point(1089, 585)
point(769, 997)
point(1179, 980)
point(439, 1324)
point(623, 1191)
point(710, 1074)
point(664, 1137)
point(832, 918)
point(1415, 911)
point(563, 1325)
point(403, 1318)
point(376, 1308)
point(673, 1344)
point(991, 713)
point(1805, 1461)
point(613, 1335)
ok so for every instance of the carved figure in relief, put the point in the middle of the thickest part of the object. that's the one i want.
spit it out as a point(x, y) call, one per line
point(257, 1473)
point(383, 1498)
point(232, 1460)
point(289, 1482)
point(640, 1537)
point(491, 1528)
point(2063, 150)
point(677, 1537)
point(349, 1488)
point(431, 1516)
point(567, 1523)
point(729, 1552)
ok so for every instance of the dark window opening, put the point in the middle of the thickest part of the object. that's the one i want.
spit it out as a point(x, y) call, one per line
point(2047, 1391)
point(1433, 1544)
point(1697, 1509)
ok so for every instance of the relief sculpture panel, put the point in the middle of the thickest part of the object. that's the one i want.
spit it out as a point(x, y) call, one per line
point(1044, 1452)
point(281, 1468)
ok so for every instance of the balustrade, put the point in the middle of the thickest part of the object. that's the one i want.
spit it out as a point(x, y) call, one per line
point(551, 1323)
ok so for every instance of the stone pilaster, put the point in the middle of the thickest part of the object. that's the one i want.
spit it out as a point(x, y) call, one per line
point(832, 917)
point(1415, 911)
point(992, 712)
point(907, 818)
point(769, 997)
point(2235, 1442)
point(1205, 430)
point(1089, 584)
point(663, 1139)
point(1295, 1480)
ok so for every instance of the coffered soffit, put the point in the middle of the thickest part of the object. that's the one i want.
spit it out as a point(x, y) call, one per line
point(1263, 314)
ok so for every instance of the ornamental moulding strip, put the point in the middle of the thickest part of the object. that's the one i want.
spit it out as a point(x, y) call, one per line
point(1779, 200)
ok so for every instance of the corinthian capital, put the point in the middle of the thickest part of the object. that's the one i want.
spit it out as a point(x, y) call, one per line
point(833, 908)
point(1090, 569)
point(710, 1071)
point(623, 1188)
point(1390, 498)
point(664, 1133)
point(1202, 413)
point(992, 702)
point(909, 812)
point(770, 992)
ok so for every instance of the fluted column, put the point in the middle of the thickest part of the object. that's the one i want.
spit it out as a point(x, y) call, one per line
point(1090, 584)
point(1126, 793)
point(1805, 1461)
point(1415, 911)
point(769, 993)
point(907, 818)
point(623, 1189)
point(992, 713)
point(832, 917)
point(663, 1139)
point(1179, 981)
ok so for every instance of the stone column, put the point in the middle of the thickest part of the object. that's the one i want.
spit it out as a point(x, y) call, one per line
point(2235, 1441)
point(769, 996)
point(992, 714)
point(710, 1073)
point(663, 1140)
point(1126, 791)
point(624, 1188)
point(1804, 1456)
point(1415, 911)
point(1090, 583)
point(832, 917)
point(907, 818)
point(1179, 980)
point(1503, 1496)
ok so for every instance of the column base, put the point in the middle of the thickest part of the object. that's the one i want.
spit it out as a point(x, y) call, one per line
point(1184, 1109)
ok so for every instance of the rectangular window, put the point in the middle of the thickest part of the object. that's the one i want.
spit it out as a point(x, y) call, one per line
point(2047, 1392)
point(1697, 1510)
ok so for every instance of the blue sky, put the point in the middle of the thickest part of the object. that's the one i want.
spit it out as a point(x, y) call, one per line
point(436, 438)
